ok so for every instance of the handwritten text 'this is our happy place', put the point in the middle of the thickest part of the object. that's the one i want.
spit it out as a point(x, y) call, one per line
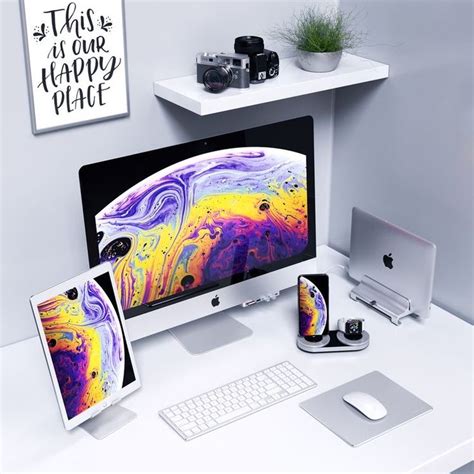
point(79, 64)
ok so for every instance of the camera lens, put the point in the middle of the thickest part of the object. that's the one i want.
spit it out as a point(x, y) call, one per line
point(248, 45)
point(217, 79)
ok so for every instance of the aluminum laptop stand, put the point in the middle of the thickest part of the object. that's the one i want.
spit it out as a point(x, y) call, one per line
point(382, 298)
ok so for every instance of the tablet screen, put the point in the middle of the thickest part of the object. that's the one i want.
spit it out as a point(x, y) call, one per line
point(86, 343)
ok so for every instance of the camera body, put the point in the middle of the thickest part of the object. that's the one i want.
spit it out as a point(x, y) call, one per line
point(273, 63)
point(264, 63)
point(218, 71)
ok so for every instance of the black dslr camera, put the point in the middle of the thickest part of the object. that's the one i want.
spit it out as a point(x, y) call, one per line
point(264, 64)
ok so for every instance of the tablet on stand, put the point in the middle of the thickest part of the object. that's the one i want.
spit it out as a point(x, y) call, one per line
point(82, 331)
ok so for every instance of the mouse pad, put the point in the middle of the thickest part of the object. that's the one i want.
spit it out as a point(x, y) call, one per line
point(352, 426)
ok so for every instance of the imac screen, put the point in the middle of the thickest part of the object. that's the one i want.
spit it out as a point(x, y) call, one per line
point(203, 220)
point(188, 219)
point(86, 343)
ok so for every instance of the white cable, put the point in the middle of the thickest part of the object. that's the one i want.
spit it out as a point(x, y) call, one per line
point(344, 268)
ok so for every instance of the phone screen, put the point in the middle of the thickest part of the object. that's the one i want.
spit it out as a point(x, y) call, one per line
point(313, 302)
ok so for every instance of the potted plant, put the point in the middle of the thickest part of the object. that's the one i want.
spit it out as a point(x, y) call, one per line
point(319, 37)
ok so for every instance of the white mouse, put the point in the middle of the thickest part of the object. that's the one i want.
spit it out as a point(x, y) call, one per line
point(368, 405)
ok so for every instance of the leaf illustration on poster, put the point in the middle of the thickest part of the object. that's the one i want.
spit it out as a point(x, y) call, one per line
point(76, 61)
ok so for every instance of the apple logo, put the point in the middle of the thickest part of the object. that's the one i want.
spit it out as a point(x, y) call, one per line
point(215, 301)
point(388, 261)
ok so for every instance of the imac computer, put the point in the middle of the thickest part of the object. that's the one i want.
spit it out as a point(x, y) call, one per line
point(197, 228)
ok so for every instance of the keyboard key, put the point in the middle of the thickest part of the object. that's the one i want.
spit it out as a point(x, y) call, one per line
point(294, 389)
point(233, 414)
point(189, 426)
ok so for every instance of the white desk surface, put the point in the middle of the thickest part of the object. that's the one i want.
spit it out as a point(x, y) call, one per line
point(433, 359)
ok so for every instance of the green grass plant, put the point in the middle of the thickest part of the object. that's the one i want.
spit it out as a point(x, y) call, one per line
point(320, 30)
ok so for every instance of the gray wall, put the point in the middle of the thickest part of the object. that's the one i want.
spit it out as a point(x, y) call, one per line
point(42, 235)
point(403, 148)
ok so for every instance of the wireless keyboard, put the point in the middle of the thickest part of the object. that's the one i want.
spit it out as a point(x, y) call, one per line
point(223, 405)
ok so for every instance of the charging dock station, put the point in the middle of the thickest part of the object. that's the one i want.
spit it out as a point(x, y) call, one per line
point(335, 341)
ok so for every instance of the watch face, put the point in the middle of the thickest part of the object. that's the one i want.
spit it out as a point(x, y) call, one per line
point(354, 328)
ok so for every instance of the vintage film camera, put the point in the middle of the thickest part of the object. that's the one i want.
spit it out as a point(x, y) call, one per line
point(218, 71)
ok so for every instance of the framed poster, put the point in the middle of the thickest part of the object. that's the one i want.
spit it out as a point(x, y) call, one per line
point(76, 61)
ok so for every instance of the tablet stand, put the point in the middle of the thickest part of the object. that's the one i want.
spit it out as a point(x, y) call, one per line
point(382, 298)
point(108, 421)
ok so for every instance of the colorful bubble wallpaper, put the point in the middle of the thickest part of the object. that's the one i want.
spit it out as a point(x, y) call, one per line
point(313, 309)
point(204, 219)
point(86, 344)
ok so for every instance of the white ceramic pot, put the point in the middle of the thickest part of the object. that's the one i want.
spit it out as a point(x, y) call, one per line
point(319, 62)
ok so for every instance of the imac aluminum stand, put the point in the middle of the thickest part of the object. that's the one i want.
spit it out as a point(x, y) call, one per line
point(382, 298)
point(209, 333)
point(108, 421)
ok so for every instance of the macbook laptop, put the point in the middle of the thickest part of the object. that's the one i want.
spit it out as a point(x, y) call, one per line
point(394, 268)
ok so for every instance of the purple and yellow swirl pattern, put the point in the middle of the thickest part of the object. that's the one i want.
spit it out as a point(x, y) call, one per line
point(312, 308)
point(205, 219)
point(86, 344)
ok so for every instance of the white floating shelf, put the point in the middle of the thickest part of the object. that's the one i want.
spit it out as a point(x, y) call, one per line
point(292, 82)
